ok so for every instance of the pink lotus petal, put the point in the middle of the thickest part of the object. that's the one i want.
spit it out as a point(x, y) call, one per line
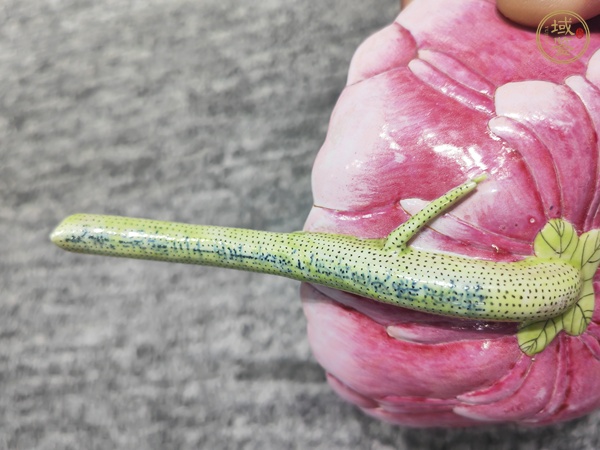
point(503, 387)
point(367, 366)
point(458, 229)
point(390, 48)
point(448, 91)
point(590, 97)
point(561, 386)
point(583, 383)
point(533, 103)
point(538, 159)
point(531, 397)
point(436, 334)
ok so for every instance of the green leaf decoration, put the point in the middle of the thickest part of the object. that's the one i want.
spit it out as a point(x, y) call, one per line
point(535, 337)
point(586, 257)
point(558, 239)
point(587, 254)
point(577, 318)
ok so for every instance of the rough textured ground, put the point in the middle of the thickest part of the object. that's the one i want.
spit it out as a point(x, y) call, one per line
point(202, 111)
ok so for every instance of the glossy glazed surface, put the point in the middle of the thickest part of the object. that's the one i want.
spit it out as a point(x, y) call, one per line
point(441, 95)
point(538, 289)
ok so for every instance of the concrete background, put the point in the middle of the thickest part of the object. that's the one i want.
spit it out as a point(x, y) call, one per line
point(200, 111)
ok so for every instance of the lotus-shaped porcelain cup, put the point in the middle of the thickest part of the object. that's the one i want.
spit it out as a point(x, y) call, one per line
point(450, 90)
point(447, 92)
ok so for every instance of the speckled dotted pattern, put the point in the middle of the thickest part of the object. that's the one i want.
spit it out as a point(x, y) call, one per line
point(532, 289)
point(203, 112)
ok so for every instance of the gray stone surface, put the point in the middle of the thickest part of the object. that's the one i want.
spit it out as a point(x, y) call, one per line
point(201, 111)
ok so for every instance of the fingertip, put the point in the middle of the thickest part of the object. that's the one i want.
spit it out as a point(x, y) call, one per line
point(404, 4)
point(530, 13)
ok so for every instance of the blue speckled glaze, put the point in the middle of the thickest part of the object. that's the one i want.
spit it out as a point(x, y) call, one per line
point(538, 288)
